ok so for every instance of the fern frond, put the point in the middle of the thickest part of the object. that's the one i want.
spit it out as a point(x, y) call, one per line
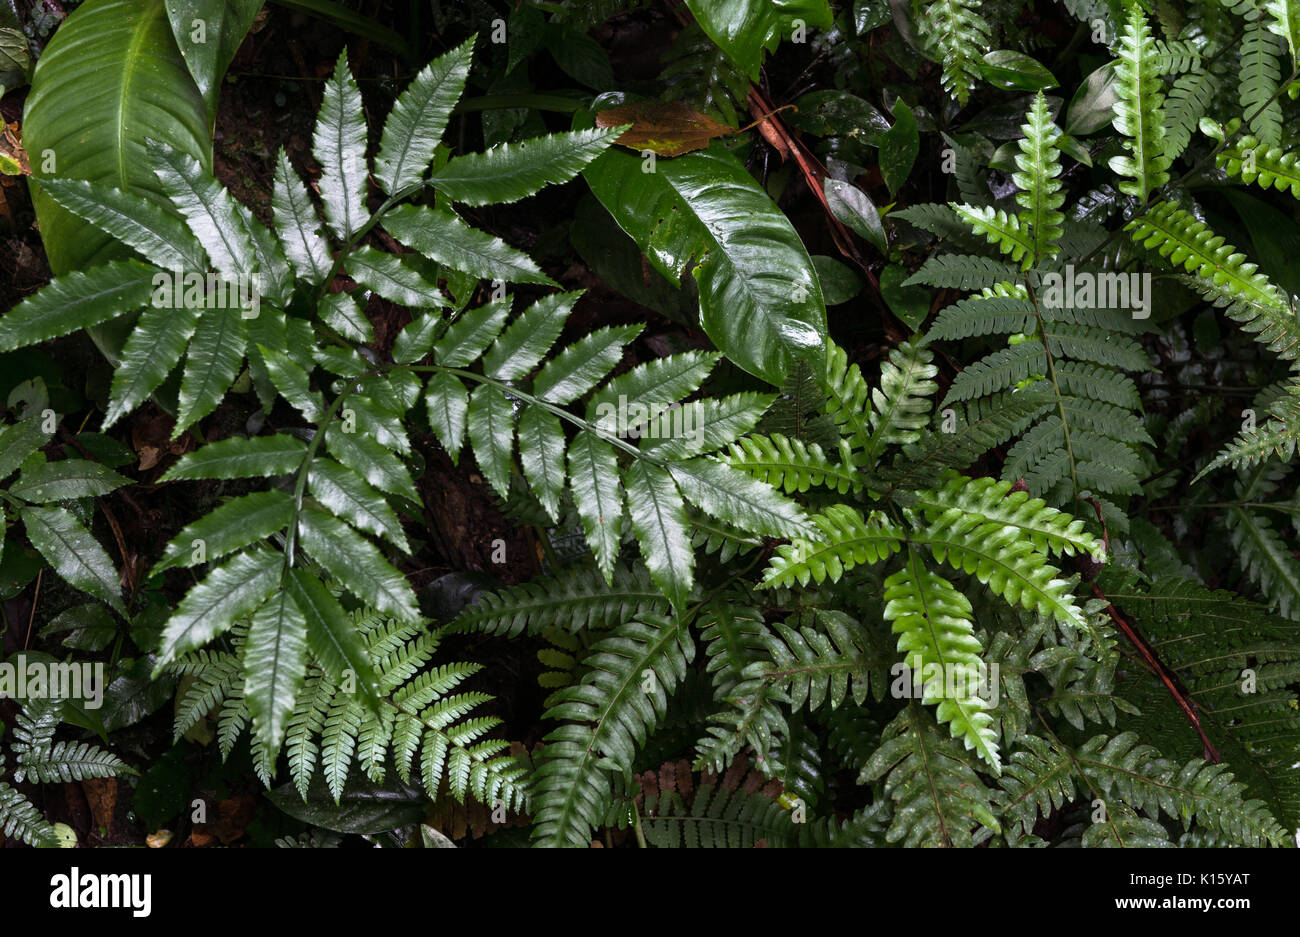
point(1040, 197)
point(961, 35)
point(1139, 110)
point(848, 540)
point(1222, 274)
point(963, 501)
point(574, 599)
point(620, 700)
point(793, 466)
point(1009, 232)
point(900, 402)
point(939, 800)
point(937, 636)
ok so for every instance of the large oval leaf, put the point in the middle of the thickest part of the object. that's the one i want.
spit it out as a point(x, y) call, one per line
point(111, 78)
point(760, 301)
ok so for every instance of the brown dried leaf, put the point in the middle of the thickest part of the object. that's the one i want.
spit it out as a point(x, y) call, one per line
point(665, 129)
point(13, 158)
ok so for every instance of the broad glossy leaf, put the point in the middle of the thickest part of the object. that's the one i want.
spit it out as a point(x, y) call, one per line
point(75, 301)
point(521, 346)
point(118, 61)
point(238, 457)
point(297, 224)
point(275, 663)
point(541, 450)
point(155, 347)
point(511, 171)
point(491, 422)
point(208, 33)
point(418, 118)
point(448, 404)
point(74, 553)
point(228, 593)
point(743, 29)
point(348, 495)
point(1015, 71)
point(448, 240)
point(659, 522)
point(593, 479)
point(760, 302)
point(331, 635)
point(63, 481)
point(238, 523)
point(899, 147)
point(211, 365)
point(339, 145)
point(356, 564)
point(854, 208)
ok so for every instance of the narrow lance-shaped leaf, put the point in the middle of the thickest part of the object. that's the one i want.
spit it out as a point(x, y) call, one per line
point(210, 210)
point(511, 171)
point(296, 224)
point(155, 347)
point(331, 635)
point(448, 405)
point(228, 593)
point(77, 301)
point(159, 237)
point(238, 523)
point(275, 663)
point(441, 235)
point(339, 145)
point(74, 553)
point(492, 433)
point(659, 522)
point(541, 450)
point(215, 355)
point(593, 478)
point(356, 564)
point(418, 118)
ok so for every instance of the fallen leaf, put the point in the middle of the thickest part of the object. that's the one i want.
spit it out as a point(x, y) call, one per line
point(13, 158)
point(158, 840)
point(101, 795)
point(665, 129)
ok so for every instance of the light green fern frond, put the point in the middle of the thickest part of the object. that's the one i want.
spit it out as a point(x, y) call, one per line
point(936, 635)
point(1040, 197)
point(1139, 110)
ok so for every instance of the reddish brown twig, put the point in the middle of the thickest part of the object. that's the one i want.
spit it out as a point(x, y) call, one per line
point(1166, 675)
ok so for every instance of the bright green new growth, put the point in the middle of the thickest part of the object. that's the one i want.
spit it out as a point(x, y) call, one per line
point(1139, 111)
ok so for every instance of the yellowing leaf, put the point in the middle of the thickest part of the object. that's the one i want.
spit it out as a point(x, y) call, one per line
point(665, 129)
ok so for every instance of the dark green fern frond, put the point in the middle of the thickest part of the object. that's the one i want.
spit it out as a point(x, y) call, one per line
point(574, 599)
point(939, 799)
point(609, 715)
